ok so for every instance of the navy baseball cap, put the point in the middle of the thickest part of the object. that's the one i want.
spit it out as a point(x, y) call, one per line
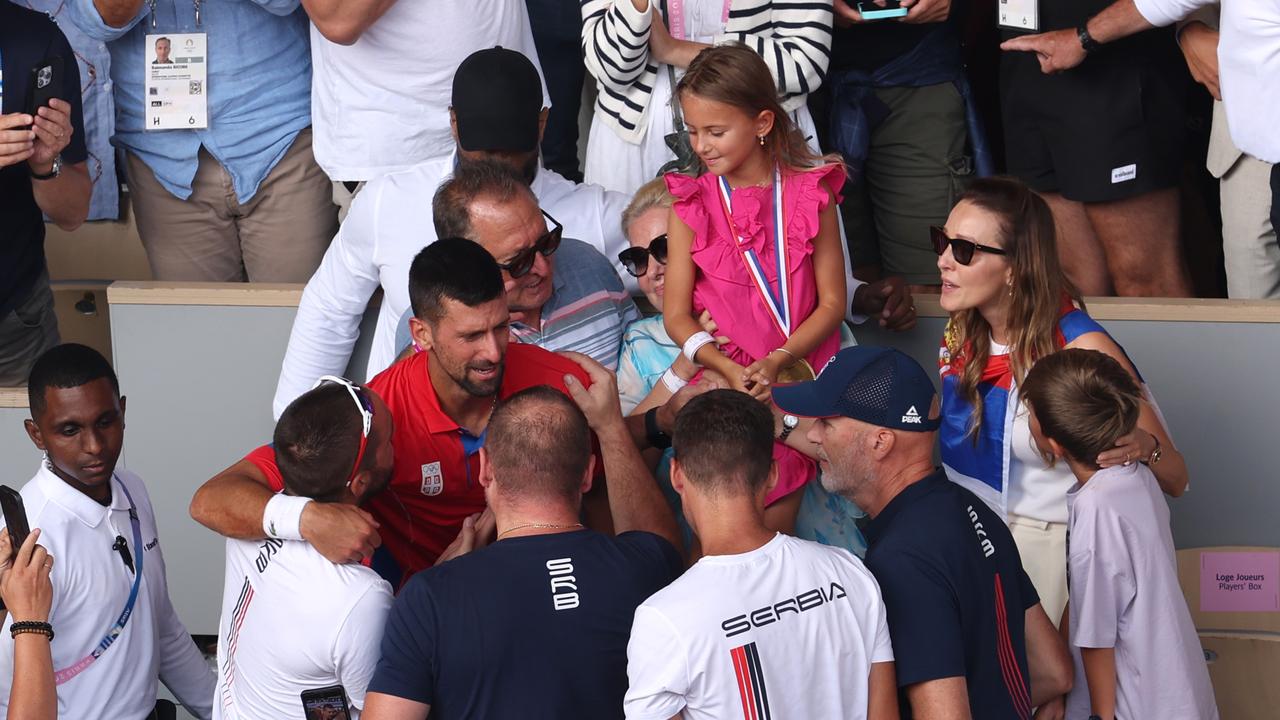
point(497, 98)
point(877, 385)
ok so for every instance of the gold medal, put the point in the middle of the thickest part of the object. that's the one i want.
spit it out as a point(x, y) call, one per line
point(798, 371)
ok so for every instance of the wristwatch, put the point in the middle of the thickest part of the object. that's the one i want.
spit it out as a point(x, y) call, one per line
point(1156, 454)
point(1086, 40)
point(54, 172)
point(789, 423)
point(653, 433)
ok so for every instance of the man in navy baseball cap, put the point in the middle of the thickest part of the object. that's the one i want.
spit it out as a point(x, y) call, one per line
point(968, 629)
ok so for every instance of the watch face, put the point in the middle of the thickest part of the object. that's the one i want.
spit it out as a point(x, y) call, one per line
point(790, 421)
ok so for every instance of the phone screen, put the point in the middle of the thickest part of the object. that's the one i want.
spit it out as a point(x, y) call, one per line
point(15, 517)
point(326, 704)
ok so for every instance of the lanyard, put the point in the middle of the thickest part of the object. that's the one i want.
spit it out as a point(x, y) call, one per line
point(194, 4)
point(778, 302)
point(69, 672)
point(675, 17)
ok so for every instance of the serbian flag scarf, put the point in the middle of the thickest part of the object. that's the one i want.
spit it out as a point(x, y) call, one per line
point(983, 467)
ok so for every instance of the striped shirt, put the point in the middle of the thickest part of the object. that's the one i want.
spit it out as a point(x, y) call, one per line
point(588, 309)
point(793, 37)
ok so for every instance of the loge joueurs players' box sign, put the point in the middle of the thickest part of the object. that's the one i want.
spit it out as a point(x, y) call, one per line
point(1240, 582)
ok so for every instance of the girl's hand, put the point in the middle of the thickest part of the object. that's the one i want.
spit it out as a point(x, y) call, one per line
point(25, 587)
point(1134, 447)
point(759, 377)
point(708, 324)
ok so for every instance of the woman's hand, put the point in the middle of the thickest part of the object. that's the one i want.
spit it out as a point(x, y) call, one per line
point(1134, 447)
point(25, 585)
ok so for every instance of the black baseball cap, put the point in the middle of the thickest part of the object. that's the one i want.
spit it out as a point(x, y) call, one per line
point(877, 385)
point(497, 97)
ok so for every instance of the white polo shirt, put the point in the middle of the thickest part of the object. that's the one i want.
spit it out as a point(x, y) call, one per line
point(292, 621)
point(1248, 66)
point(382, 103)
point(91, 585)
point(389, 223)
point(790, 629)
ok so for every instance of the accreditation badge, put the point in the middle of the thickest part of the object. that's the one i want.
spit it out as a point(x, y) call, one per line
point(177, 87)
point(1020, 15)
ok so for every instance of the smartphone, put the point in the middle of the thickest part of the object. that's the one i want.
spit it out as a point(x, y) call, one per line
point(45, 83)
point(15, 518)
point(873, 11)
point(328, 703)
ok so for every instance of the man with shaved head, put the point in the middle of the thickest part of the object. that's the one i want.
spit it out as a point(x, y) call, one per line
point(534, 625)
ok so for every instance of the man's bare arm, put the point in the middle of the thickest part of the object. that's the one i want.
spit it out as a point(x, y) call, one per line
point(344, 21)
point(635, 501)
point(1048, 661)
point(232, 504)
point(945, 699)
point(882, 692)
point(380, 706)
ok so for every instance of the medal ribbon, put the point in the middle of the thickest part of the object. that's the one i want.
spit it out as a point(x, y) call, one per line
point(778, 303)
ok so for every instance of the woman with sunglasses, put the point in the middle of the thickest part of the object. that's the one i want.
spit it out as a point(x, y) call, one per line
point(1011, 304)
point(647, 351)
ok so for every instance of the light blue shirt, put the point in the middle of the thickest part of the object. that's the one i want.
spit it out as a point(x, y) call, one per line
point(258, 86)
point(99, 114)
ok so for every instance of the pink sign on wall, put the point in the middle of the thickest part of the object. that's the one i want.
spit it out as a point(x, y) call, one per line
point(1240, 582)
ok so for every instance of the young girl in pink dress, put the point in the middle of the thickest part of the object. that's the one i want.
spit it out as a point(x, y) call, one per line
point(754, 240)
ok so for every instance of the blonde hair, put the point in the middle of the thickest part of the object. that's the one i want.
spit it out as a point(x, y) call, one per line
point(1039, 286)
point(653, 194)
point(1084, 400)
point(736, 75)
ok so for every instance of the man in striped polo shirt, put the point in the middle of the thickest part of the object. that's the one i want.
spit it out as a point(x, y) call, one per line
point(563, 294)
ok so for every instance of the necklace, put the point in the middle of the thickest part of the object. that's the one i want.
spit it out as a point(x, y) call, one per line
point(542, 526)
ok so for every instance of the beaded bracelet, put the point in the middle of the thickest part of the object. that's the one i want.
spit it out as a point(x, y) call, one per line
point(26, 626)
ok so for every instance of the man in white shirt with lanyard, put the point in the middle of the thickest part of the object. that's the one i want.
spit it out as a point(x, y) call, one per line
point(764, 624)
point(115, 630)
point(297, 630)
point(496, 113)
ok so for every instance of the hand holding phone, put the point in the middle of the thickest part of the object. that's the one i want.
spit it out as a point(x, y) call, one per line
point(45, 84)
point(25, 586)
point(15, 519)
point(875, 11)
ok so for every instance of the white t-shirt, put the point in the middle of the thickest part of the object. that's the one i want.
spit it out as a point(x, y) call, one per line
point(1125, 595)
point(790, 629)
point(389, 223)
point(292, 621)
point(91, 585)
point(382, 103)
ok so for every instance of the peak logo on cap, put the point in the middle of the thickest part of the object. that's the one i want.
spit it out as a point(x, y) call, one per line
point(912, 417)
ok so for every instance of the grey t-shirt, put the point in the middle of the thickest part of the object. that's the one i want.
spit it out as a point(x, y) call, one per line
point(1125, 595)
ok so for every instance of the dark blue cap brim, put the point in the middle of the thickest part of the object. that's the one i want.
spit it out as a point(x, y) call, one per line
point(804, 399)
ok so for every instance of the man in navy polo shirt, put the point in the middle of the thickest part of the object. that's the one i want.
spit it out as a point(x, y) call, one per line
point(969, 636)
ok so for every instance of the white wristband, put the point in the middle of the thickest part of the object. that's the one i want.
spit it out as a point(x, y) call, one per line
point(673, 381)
point(282, 519)
point(695, 343)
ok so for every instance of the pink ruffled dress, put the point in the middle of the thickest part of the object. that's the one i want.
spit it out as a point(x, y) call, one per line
point(723, 285)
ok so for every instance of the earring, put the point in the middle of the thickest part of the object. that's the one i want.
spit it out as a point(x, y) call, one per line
point(761, 139)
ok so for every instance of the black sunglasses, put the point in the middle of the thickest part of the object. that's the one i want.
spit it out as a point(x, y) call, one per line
point(548, 243)
point(961, 249)
point(636, 259)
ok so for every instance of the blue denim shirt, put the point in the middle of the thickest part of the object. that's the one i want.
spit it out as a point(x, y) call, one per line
point(259, 86)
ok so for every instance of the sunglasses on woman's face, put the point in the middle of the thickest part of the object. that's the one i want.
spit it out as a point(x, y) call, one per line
point(548, 243)
point(636, 259)
point(961, 249)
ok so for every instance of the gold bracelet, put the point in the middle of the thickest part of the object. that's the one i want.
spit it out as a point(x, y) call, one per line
point(782, 349)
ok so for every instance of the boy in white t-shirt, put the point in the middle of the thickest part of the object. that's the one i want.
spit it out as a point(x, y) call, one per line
point(1135, 647)
point(764, 625)
point(292, 621)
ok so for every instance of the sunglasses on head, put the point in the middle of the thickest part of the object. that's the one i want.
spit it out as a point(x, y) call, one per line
point(961, 249)
point(364, 405)
point(548, 243)
point(636, 259)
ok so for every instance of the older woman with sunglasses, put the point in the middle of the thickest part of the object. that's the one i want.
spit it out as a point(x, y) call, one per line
point(650, 366)
point(1010, 304)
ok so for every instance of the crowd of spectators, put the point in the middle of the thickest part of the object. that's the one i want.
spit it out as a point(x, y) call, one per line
point(593, 410)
